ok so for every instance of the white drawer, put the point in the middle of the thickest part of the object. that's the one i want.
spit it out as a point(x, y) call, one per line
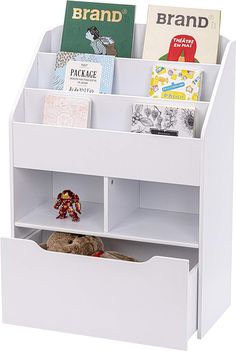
point(152, 302)
point(107, 153)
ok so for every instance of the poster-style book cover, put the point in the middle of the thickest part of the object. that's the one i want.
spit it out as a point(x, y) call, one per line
point(97, 28)
point(182, 34)
point(83, 73)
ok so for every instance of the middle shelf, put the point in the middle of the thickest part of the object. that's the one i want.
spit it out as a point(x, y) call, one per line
point(44, 217)
point(111, 207)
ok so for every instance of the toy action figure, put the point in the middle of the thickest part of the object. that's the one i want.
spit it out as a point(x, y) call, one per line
point(66, 201)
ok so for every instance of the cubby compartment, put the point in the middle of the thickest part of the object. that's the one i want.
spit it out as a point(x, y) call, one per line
point(153, 212)
point(35, 195)
point(119, 208)
point(153, 301)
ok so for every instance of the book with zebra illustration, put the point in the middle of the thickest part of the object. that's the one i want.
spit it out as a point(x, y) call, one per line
point(98, 28)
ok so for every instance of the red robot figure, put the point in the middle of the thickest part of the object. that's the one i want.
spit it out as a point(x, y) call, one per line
point(66, 201)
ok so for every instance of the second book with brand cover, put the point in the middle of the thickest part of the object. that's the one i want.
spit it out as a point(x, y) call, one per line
point(182, 34)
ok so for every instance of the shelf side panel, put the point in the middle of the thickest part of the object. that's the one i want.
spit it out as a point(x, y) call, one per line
point(123, 199)
point(216, 193)
point(31, 189)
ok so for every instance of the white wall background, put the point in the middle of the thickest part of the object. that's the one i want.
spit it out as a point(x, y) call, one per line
point(22, 25)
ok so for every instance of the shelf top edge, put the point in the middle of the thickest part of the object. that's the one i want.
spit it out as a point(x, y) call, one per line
point(132, 59)
point(117, 96)
point(60, 26)
point(93, 130)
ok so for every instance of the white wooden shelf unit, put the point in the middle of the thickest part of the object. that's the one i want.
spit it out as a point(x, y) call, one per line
point(165, 200)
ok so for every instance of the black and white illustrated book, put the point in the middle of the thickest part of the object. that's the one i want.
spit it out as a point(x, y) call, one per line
point(161, 117)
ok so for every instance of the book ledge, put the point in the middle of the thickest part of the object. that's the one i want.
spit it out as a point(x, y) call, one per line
point(127, 89)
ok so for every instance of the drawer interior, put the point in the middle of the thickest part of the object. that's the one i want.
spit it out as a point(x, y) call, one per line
point(139, 250)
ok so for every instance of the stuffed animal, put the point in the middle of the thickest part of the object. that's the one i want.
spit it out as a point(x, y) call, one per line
point(81, 245)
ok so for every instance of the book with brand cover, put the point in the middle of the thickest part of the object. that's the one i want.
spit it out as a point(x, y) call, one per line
point(84, 73)
point(182, 34)
point(174, 83)
point(70, 111)
point(164, 118)
point(97, 28)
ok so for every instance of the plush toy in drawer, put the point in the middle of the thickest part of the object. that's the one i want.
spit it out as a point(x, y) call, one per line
point(81, 245)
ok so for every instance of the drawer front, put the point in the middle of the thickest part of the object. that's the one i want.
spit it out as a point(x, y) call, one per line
point(107, 153)
point(139, 302)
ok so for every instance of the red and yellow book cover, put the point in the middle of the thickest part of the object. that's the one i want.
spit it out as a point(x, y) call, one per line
point(182, 34)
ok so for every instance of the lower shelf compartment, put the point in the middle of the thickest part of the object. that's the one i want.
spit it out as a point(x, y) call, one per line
point(153, 302)
point(119, 208)
point(157, 226)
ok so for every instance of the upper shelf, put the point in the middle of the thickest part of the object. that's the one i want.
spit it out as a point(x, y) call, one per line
point(178, 160)
point(131, 77)
point(52, 41)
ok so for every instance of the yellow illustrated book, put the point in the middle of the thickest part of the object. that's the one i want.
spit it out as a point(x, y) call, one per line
point(176, 84)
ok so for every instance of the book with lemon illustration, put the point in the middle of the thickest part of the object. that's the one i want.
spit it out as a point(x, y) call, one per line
point(176, 84)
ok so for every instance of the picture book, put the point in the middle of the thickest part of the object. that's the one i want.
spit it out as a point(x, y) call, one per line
point(148, 116)
point(98, 28)
point(173, 83)
point(84, 73)
point(182, 34)
point(67, 111)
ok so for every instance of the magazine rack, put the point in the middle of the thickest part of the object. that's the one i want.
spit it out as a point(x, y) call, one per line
point(166, 201)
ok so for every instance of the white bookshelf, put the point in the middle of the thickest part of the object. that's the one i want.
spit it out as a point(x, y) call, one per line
point(165, 200)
